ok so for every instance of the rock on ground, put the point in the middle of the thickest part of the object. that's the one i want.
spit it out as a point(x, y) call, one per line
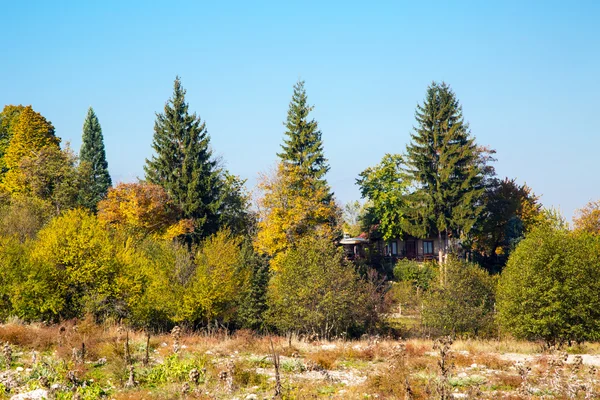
point(37, 394)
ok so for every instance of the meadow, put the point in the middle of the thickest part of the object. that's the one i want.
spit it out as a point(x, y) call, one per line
point(83, 360)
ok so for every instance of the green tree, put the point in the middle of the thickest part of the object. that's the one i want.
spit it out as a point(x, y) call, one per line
point(183, 164)
point(550, 288)
point(445, 167)
point(93, 153)
point(510, 211)
point(234, 205)
point(464, 303)
point(386, 186)
point(254, 298)
point(303, 146)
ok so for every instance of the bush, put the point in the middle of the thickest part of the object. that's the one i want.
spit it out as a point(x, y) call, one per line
point(316, 291)
point(420, 275)
point(464, 303)
point(217, 285)
point(550, 289)
point(72, 270)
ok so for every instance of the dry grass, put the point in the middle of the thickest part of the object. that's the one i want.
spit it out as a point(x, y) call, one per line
point(367, 368)
point(35, 337)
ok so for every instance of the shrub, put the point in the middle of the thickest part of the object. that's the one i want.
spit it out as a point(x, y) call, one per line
point(464, 303)
point(72, 269)
point(420, 275)
point(550, 289)
point(316, 291)
point(216, 287)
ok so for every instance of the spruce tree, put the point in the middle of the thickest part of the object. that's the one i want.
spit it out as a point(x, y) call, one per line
point(183, 164)
point(443, 162)
point(93, 154)
point(303, 147)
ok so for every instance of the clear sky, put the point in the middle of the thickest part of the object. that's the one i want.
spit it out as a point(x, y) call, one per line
point(526, 72)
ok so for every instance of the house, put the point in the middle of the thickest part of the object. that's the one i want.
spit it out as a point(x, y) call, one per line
point(409, 247)
point(354, 247)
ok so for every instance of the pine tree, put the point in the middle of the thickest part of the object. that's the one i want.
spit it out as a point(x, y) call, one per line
point(303, 147)
point(183, 163)
point(92, 152)
point(443, 162)
point(254, 300)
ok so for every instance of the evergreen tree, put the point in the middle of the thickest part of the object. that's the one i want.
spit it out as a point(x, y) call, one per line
point(92, 152)
point(443, 163)
point(183, 163)
point(303, 147)
point(254, 298)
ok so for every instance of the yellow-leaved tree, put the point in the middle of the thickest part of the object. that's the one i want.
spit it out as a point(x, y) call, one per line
point(215, 289)
point(293, 206)
point(8, 119)
point(72, 270)
point(142, 209)
point(30, 134)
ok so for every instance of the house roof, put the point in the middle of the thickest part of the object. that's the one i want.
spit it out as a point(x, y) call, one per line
point(353, 240)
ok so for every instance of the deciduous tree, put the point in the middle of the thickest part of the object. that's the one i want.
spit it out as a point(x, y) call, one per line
point(142, 209)
point(550, 288)
point(8, 119)
point(510, 211)
point(316, 291)
point(30, 134)
point(290, 209)
point(587, 219)
point(386, 186)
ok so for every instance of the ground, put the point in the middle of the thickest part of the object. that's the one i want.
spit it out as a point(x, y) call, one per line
point(86, 361)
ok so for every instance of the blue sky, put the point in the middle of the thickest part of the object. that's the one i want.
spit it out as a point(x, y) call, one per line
point(527, 74)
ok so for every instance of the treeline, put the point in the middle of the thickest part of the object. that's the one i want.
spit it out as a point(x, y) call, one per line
point(183, 246)
point(186, 246)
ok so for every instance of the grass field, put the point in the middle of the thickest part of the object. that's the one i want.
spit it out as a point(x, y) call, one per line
point(87, 361)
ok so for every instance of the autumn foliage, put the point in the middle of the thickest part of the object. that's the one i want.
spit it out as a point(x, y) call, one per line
point(142, 208)
point(290, 210)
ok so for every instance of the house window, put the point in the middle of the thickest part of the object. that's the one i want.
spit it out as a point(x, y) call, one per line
point(428, 247)
point(391, 249)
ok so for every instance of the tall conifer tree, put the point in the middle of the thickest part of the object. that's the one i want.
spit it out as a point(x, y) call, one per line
point(94, 155)
point(443, 162)
point(303, 147)
point(183, 163)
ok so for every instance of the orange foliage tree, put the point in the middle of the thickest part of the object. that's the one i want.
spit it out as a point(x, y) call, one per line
point(587, 219)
